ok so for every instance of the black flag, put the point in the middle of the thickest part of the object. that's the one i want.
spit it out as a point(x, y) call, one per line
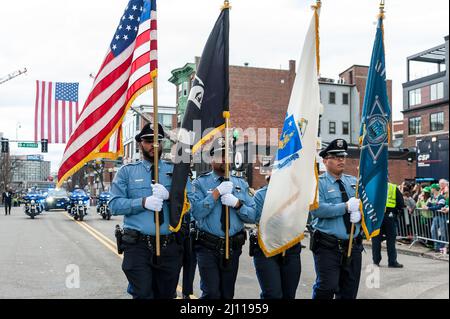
point(208, 99)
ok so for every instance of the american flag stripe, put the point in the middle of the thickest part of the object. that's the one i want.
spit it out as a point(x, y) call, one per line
point(53, 115)
point(56, 122)
point(124, 74)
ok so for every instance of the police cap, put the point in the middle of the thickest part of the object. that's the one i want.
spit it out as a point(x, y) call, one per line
point(337, 147)
point(147, 133)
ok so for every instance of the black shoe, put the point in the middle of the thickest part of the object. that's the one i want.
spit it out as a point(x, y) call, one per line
point(396, 265)
point(377, 264)
point(186, 296)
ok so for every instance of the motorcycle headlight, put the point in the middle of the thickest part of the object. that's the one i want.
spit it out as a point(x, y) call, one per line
point(33, 202)
point(50, 200)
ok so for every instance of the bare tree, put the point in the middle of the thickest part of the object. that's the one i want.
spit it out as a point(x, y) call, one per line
point(7, 167)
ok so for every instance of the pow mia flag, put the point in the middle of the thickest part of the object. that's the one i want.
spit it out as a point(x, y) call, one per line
point(208, 99)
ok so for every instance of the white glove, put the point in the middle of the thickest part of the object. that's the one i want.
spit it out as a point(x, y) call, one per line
point(355, 217)
point(225, 188)
point(160, 191)
point(229, 200)
point(153, 203)
point(353, 204)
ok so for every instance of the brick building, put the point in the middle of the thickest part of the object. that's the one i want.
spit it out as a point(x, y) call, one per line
point(425, 96)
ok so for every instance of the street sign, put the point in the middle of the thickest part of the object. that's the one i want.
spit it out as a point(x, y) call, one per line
point(30, 145)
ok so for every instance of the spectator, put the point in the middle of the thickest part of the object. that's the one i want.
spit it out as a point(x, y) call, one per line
point(417, 190)
point(409, 202)
point(439, 225)
point(426, 216)
point(443, 184)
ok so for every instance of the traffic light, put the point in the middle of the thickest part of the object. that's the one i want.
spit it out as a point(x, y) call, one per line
point(5, 145)
point(44, 145)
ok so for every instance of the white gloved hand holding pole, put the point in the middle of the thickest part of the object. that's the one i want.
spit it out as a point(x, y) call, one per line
point(160, 191)
point(355, 217)
point(229, 200)
point(353, 204)
point(225, 188)
point(153, 203)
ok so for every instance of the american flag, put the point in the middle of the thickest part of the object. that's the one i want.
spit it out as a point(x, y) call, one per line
point(56, 111)
point(128, 70)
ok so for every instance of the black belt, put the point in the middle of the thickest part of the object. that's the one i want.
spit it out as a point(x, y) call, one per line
point(331, 241)
point(218, 243)
point(134, 236)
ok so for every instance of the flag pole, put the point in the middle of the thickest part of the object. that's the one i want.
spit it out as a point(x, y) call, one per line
point(156, 159)
point(226, 115)
point(350, 245)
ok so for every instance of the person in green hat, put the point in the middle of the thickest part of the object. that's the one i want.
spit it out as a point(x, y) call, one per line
point(439, 223)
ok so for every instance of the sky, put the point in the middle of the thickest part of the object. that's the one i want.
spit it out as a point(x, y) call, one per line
point(59, 40)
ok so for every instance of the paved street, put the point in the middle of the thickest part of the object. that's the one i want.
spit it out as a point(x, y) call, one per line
point(41, 257)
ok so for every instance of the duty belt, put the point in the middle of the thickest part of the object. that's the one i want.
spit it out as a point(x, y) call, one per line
point(331, 241)
point(218, 243)
point(165, 240)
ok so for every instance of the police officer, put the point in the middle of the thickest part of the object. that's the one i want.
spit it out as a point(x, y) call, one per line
point(209, 193)
point(137, 197)
point(394, 206)
point(279, 275)
point(337, 276)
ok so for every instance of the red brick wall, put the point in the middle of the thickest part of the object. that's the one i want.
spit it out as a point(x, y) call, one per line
point(258, 98)
point(359, 78)
point(399, 170)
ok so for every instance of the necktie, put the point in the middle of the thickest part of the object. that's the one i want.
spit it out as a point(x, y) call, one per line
point(223, 216)
point(344, 195)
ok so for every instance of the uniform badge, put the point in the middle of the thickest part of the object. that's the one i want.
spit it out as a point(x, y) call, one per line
point(238, 189)
point(139, 180)
point(340, 143)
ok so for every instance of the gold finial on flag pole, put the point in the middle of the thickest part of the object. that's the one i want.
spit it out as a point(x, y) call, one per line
point(226, 5)
point(381, 15)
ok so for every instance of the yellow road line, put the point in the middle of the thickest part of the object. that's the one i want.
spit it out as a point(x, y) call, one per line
point(108, 243)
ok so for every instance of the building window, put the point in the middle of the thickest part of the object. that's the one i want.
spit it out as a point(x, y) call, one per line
point(415, 124)
point(138, 122)
point(437, 91)
point(345, 126)
point(436, 121)
point(332, 98)
point(345, 98)
point(136, 150)
point(165, 120)
point(415, 97)
point(185, 88)
point(332, 127)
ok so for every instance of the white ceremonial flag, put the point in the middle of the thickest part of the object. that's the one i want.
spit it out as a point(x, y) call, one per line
point(292, 190)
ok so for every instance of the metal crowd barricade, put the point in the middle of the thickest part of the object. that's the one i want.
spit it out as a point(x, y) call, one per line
point(429, 227)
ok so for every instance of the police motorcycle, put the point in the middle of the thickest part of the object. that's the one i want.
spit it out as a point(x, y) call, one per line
point(102, 205)
point(79, 204)
point(33, 203)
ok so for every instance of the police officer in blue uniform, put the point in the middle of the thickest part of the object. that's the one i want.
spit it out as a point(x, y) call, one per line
point(137, 197)
point(279, 275)
point(209, 193)
point(337, 275)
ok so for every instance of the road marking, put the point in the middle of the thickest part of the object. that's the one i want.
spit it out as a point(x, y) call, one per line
point(108, 243)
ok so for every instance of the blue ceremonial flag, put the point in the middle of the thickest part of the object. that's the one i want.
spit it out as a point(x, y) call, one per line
point(374, 139)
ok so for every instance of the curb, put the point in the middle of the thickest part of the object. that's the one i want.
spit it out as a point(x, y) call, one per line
point(411, 252)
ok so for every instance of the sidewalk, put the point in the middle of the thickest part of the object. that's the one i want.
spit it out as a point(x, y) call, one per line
point(416, 250)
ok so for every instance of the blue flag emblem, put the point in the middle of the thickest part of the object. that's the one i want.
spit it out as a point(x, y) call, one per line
point(290, 143)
